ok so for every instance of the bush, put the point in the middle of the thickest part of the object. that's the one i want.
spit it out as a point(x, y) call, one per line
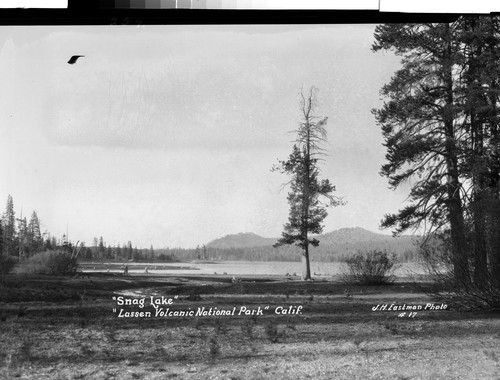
point(7, 263)
point(371, 268)
point(438, 262)
point(272, 331)
point(50, 262)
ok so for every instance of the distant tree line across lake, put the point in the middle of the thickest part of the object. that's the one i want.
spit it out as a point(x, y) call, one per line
point(22, 239)
point(265, 253)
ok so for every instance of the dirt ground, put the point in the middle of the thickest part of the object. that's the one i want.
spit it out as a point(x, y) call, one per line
point(90, 327)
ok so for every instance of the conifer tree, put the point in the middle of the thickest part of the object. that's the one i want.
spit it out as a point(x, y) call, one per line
point(9, 228)
point(479, 41)
point(101, 249)
point(130, 250)
point(440, 122)
point(34, 234)
point(421, 134)
point(1, 238)
point(118, 252)
point(23, 238)
point(307, 211)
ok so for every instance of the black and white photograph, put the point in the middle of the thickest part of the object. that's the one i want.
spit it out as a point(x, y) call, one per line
point(251, 200)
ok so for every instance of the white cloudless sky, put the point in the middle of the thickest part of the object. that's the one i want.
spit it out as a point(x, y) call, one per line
point(166, 135)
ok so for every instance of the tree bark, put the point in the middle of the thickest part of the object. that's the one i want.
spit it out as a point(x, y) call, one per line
point(306, 198)
point(456, 218)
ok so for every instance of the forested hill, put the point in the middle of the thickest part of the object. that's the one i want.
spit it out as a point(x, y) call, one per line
point(241, 240)
point(353, 236)
point(333, 245)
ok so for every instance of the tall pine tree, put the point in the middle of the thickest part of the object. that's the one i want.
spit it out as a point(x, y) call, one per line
point(34, 234)
point(307, 212)
point(440, 122)
point(421, 134)
point(9, 228)
point(479, 41)
point(23, 238)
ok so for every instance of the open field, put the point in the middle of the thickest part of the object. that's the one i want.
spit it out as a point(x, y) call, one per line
point(67, 328)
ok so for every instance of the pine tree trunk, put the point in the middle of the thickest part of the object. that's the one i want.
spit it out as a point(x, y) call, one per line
point(307, 275)
point(456, 218)
point(479, 205)
point(495, 244)
point(307, 195)
point(480, 239)
point(494, 178)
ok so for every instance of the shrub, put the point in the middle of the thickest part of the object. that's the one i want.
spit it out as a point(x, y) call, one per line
point(7, 263)
point(371, 268)
point(272, 331)
point(248, 326)
point(25, 350)
point(213, 346)
point(438, 262)
point(50, 262)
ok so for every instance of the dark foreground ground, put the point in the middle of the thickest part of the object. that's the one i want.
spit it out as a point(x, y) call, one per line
point(75, 328)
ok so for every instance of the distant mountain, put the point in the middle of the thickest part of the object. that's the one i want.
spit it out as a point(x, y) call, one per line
point(351, 235)
point(241, 240)
point(349, 241)
point(344, 240)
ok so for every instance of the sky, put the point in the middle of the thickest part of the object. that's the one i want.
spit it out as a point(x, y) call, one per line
point(166, 135)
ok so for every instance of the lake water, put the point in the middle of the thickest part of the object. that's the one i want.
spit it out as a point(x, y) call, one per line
point(237, 268)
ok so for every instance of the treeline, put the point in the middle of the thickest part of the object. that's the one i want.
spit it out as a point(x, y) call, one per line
point(264, 253)
point(99, 251)
point(226, 254)
point(23, 239)
point(18, 237)
point(327, 253)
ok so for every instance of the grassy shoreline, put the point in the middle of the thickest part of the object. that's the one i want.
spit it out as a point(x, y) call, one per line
point(65, 327)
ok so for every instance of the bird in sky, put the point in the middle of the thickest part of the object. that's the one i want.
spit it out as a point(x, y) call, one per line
point(74, 58)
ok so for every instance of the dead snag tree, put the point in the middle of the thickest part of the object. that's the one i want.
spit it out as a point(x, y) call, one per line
point(309, 196)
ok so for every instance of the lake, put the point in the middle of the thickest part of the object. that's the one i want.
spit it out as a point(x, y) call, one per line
point(237, 268)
